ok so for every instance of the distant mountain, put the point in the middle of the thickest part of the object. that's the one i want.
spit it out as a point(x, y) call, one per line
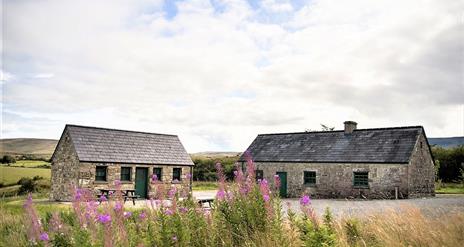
point(447, 142)
point(28, 146)
point(215, 154)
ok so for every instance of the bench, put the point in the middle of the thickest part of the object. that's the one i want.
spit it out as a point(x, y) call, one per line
point(131, 197)
point(126, 194)
point(206, 200)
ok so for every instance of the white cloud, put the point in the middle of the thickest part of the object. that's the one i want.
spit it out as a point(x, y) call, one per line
point(44, 75)
point(276, 6)
point(218, 78)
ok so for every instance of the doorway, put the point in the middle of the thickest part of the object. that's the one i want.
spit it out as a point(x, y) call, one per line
point(283, 184)
point(141, 182)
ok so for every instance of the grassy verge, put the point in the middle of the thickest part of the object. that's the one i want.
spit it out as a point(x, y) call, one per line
point(449, 188)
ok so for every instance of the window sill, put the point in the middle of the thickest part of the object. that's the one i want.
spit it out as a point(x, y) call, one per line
point(100, 182)
point(126, 182)
point(310, 185)
point(361, 187)
point(176, 182)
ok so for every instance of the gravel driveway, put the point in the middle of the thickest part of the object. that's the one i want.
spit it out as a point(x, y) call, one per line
point(429, 206)
point(339, 207)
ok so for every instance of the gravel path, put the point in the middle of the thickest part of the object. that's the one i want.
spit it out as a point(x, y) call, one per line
point(433, 206)
point(429, 206)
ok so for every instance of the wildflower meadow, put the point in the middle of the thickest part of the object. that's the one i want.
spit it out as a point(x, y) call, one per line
point(245, 213)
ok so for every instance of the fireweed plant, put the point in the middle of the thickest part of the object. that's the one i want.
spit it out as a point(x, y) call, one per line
point(246, 212)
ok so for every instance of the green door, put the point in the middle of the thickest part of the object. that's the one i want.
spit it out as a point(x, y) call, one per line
point(141, 181)
point(283, 183)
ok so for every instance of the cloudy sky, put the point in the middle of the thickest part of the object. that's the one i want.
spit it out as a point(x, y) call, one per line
point(219, 72)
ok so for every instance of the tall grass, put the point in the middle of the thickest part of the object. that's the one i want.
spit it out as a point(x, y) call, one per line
point(408, 227)
point(245, 213)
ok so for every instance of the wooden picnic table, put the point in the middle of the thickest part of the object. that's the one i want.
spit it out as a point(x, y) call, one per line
point(205, 200)
point(126, 194)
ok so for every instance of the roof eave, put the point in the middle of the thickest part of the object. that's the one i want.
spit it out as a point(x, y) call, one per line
point(326, 162)
point(136, 163)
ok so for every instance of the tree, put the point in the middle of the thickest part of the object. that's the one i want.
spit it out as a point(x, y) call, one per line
point(7, 159)
point(450, 163)
point(327, 128)
point(323, 128)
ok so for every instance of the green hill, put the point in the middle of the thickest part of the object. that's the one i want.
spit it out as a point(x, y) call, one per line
point(38, 148)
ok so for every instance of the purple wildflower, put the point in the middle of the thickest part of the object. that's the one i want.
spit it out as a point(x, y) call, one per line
point(183, 210)
point(266, 198)
point(103, 198)
point(104, 218)
point(305, 200)
point(118, 206)
point(188, 176)
point(78, 194)
point(127, 214)
point(220, 195)
point(34, 225)
point(172, 192)
point(235, 173)
point(44, 237)
point(143, 215)
point(154, 178)
point(168, 212)
point(276, 181)
point(117, 182)
point(174, 238)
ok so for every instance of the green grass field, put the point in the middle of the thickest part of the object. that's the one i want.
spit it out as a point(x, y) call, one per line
point(30, 163)
point(200, 185)
point(10, 175)
point(449, 188)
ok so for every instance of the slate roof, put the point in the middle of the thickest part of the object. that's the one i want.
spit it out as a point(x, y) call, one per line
point(386, 145)
point(121, 146)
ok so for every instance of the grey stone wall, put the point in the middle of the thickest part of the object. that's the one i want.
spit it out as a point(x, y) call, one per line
point(421, 170)
point(87, 176)
point(65, 169)
point(336, 180)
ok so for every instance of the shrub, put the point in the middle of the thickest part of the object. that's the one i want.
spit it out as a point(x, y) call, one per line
point(35, 184)
point(27, 185)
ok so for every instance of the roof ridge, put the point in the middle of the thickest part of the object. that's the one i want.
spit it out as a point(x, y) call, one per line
point(332, 131)
point(121, 130)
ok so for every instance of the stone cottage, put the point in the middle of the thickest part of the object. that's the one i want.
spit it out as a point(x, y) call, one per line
point(350, 163)
point(94, 158)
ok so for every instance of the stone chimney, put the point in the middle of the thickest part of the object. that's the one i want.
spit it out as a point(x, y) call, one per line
point(350, 126)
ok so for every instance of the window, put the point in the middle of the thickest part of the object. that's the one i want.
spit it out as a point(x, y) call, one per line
point(126, 173)
point(309, 178)
point(158, 172)
point(100, 173)
point(361, 179)
point(176, 174)
point(259, 175)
